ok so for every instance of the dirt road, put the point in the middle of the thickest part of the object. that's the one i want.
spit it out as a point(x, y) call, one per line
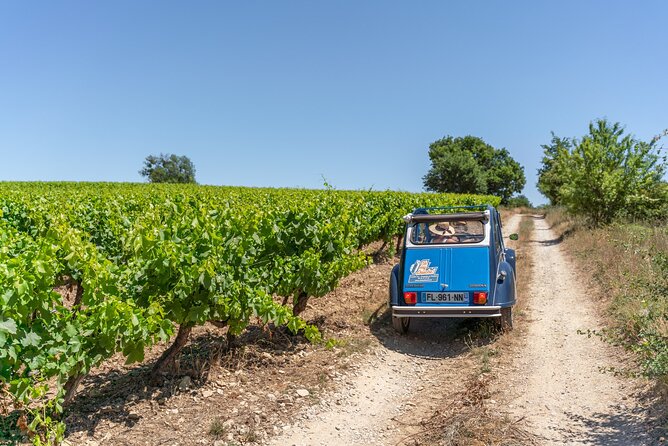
point(362, 412)
point(556, 384)
point(393, 390)
point(559, 385)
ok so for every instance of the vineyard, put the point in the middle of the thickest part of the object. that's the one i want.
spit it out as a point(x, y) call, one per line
point(146, 262)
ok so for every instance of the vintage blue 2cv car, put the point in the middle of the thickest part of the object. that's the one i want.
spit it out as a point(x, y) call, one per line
point(454, 263)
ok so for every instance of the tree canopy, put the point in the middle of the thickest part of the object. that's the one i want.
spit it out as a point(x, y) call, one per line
point(469, 165)
point(605, 175)
point(519, 201)
point(553, 174)
point(168, 168)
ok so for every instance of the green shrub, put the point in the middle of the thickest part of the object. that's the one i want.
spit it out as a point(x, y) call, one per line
point(520, 201)
point(605, 176)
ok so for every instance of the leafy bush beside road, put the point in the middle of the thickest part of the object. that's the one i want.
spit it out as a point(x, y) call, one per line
point(605, 176)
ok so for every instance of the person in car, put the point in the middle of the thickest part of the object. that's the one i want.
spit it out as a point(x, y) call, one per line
point(443, 232)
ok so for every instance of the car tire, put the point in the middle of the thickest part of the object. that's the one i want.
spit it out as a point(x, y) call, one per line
point(505, 321)
point(401, 324)
point(394, 287)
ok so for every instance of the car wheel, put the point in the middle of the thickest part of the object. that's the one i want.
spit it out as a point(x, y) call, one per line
point(400, 324)
point(505, 321)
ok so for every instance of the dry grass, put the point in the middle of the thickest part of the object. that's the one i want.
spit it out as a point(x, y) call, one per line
point(627, 268)
point(563, 223)
point(469, 421)
point(524, 263)
point(523, 210)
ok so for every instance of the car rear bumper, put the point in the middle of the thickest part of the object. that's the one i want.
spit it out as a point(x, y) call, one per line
point(446, 311)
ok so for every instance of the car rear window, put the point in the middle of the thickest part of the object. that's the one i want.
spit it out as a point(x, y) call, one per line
point(448, 232)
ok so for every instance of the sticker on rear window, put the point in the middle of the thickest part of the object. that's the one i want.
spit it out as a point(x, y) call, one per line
point(422, 271)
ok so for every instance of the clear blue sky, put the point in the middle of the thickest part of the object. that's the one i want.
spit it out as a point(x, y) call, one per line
point(280, 93)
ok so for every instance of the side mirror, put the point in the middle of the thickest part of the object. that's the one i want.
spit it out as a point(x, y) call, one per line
point(514, 237)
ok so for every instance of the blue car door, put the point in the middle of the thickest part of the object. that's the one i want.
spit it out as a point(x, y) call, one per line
point(446, 275)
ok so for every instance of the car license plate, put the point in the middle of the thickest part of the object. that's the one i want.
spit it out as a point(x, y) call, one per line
point(446, 297)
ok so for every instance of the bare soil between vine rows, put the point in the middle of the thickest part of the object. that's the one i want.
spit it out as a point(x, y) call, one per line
point(243, 395)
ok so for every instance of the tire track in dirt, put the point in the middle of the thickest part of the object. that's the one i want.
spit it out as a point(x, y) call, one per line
point(391, 392)
point(558, 384)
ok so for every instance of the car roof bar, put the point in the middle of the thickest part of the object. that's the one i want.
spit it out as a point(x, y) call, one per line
point(464, 216)
point(451, 208)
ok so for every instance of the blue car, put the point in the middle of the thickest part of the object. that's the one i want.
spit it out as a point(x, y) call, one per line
point(453, 264)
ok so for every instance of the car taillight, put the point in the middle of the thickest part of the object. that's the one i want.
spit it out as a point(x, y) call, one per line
point(480, 297)
point(410, 298)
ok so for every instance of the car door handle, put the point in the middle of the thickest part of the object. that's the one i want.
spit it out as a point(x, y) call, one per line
point(502, 275)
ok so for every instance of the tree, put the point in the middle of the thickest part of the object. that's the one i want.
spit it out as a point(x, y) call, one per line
point(469, 165)
point(519, 201)
point(168, 168)
point(605, 175)
point(554, 173)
